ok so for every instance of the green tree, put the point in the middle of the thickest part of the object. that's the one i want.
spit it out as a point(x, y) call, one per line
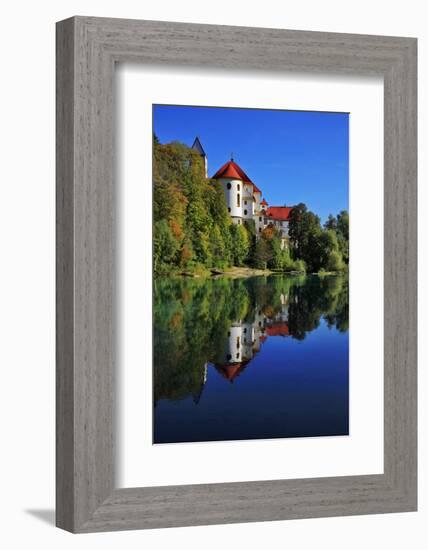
point(240, 244)
point(331, 223)
point(343, 224)
point(165, 246)
point(304, 233)
point(343, 234)
point(340, 224)
point(263, 253)
point(327, 244)
point(334, 261)
point(218, 248)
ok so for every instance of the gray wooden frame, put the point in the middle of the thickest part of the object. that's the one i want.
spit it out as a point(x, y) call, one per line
point(87, 50)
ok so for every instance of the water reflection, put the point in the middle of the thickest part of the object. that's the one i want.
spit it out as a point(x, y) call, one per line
point(206, 331)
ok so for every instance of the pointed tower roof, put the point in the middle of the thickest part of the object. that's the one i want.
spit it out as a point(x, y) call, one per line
point(197, 146)
point(264, 203)
point(232, 170)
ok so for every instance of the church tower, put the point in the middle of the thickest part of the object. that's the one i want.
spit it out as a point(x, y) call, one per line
point(197, 146)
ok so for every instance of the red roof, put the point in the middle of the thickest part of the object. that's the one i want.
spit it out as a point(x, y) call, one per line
point(256, 189)
point(278, 329)
point(264, 202)
point(232, 170)
point(281, 213)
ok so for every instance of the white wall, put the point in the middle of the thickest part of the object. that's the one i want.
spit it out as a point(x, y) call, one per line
point(27, 272)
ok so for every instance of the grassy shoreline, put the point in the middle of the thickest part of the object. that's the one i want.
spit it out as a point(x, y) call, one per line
point(237, 272)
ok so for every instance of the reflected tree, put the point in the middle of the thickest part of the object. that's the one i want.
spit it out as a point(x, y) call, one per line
point(197, 322)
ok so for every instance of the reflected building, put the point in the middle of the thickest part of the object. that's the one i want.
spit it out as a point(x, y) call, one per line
point(187, 355)
point(245, 338)
point(243, 342)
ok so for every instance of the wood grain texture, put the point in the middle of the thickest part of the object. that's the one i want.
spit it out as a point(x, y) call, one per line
point(87, 49)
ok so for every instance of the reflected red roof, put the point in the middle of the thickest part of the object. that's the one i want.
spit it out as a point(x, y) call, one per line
point(232, 170)
point(281, 213)
point(278, 329)
point(231, 370)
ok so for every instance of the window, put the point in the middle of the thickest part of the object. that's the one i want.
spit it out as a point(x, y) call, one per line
point(228, 209)
point(245, 202)
point(229, 185)
point(239, 222)
point(238, 199)
point(239, 187)
point(228, 357)
point(260, 229)
point(260, 218)
point(245, 212)
point(237, 355)
point(245, 331)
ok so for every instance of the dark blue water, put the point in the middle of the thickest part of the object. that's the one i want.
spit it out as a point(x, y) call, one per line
point(250, 358)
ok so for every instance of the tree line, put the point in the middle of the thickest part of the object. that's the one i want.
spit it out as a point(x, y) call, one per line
point(193, 231)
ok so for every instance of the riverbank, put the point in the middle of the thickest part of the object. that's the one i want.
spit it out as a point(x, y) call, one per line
point(240, 272)
point(234, 272)
point(237, 272)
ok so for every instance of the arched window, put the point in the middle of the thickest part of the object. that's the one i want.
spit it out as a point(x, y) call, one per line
point(239, 187)
point(245, 212)
point(228, 209)
point(229, 185)
point(238, 199)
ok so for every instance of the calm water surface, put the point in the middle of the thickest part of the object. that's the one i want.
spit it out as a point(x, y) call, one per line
point(263, 357)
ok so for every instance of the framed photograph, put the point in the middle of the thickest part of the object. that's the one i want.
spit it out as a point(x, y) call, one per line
point(236, 274)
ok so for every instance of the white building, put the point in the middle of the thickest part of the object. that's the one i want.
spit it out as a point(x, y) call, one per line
point(244, 199)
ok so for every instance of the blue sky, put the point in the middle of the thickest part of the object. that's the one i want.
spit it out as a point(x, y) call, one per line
point(292, 156)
